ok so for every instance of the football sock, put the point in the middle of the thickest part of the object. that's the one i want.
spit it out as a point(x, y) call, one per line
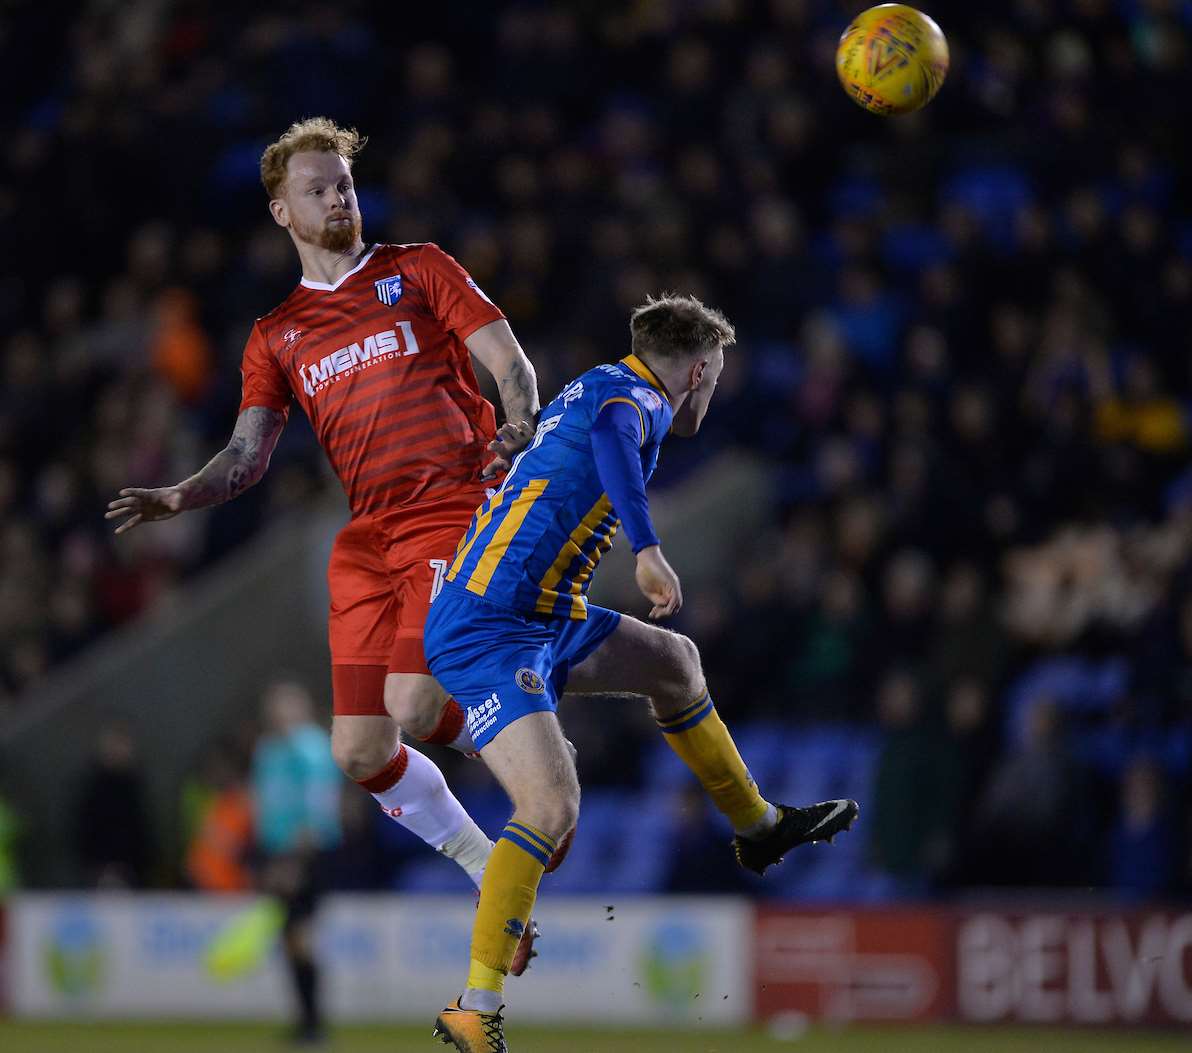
point(506, 898)
point(471, 849)
point(763, 826)
point(413, 792)
point(452, 729)
point(698, 735)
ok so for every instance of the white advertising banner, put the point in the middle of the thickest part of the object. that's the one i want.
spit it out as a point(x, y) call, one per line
point(646, 960)
point(129, 956)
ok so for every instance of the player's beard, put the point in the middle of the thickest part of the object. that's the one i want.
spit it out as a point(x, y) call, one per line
point(334, 237)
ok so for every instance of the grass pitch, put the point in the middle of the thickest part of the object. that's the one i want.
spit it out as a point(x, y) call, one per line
point(233, 1038)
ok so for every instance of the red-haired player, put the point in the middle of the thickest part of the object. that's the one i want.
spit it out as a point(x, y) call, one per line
point(375, 345)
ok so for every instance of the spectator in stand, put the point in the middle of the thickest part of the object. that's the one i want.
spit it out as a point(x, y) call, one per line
point(1028, 821)
point(966, 640)
point(1144, 841)
point(112, 837)
point(966, 754)
point(906, 799)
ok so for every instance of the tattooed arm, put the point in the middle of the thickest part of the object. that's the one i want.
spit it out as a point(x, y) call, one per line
point(499, 352)
point(229, 473)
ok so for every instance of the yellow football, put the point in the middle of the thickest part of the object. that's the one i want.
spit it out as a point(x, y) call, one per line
point(892, 59)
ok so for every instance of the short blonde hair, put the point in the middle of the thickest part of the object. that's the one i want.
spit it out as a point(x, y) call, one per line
point(673, 326)
point(314, 133)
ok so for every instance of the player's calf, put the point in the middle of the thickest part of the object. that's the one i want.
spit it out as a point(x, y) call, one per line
point(645, 659)
point(530, 759)
point(642, 659)
point(409, 788)
point(694, 730)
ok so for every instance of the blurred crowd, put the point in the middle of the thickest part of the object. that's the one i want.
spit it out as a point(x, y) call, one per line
point(961, 351)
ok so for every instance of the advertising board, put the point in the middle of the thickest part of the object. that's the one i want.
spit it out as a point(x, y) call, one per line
point(1086, 967)
point(672, 960)
point(846, 965)
point(1081, 968)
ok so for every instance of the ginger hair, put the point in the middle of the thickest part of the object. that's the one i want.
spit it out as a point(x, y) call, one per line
point(314, 133)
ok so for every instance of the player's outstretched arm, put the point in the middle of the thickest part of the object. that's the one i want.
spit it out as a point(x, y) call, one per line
point(497, 349)
point(616, 438)
point(230, 472)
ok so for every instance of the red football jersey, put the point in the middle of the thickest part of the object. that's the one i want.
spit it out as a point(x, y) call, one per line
point(378, 363)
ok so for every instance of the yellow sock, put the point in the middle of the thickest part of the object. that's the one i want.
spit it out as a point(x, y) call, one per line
point(506, 898)
point(698, 735)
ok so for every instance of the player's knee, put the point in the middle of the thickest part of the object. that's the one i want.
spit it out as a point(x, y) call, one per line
point(560, 813)
point(687, 658)
point(552, 808)
point(360, 757)
point(683, 678)
point(416, 706)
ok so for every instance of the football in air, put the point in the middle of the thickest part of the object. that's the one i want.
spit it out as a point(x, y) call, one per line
point(892, 59)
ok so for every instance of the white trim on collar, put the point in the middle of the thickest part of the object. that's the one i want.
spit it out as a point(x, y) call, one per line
point(324, 287)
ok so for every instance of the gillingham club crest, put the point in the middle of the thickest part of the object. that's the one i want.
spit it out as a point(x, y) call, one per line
point(388, 290)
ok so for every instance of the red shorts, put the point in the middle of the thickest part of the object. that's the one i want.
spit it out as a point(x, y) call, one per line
point(384, 570)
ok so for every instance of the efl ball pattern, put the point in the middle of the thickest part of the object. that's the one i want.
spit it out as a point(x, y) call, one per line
point(892, 59)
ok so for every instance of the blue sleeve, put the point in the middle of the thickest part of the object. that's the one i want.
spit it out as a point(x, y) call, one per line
point(616, 444)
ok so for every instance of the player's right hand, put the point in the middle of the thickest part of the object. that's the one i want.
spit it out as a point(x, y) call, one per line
point(512, 437)
point(135, 505)
point(658, 582)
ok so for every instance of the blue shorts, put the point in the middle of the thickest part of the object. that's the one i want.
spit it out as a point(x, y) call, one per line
point(500, 664)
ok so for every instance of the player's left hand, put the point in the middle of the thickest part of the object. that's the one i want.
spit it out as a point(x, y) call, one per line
point(658, 582)
point(512, 438)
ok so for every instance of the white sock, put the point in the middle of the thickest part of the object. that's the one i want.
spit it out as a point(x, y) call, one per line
point(764, 825)
point(470, 848)
point(421, 802)
point(463, 742)
point(480, 1000)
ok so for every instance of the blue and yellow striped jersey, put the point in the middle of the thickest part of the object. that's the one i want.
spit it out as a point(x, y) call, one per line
point(536, 542)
